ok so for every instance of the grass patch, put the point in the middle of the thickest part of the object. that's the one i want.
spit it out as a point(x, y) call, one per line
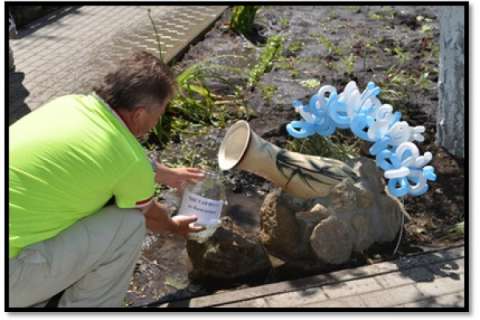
point(269, 53)
point(284, 23)
point(295, 47)
point(268, 91)
point(242, 19)
point(197, 104)
point(330, 147)
point(310, 83)
point(349, 63)
point(332, 49)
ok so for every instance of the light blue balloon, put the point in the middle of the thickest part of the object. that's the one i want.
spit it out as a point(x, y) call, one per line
point(379, 146)
point(414, 179)
point(381, 160)
point(358, 125)
point(398, 191)
point(327, 127)
point(372, 91)
point(300, 129)
point(298, 104)
point(429, 173)
point(338, 111)
point(396, 118)
point(312, 104)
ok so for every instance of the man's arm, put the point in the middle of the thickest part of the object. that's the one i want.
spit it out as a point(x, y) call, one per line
point(157, 220)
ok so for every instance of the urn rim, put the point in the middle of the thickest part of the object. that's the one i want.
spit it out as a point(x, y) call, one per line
point(234, 145)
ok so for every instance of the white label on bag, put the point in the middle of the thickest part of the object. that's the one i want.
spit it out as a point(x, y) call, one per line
point(207, 210)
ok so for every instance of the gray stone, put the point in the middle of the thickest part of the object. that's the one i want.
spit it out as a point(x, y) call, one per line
point(332, 241)
point(354, 216)
point(229, 255)
point(306, 222)
point(279, 228)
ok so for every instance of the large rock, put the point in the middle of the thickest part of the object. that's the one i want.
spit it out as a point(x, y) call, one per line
point(279, 228)
point(355, 215)
point(229, 255)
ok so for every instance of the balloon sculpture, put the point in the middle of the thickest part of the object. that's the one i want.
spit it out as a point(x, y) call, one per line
point(372, 121)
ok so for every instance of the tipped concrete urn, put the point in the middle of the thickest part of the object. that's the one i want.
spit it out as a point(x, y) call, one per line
point(301, 175)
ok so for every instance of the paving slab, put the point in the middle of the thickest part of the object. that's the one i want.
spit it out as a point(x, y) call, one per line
point(69, 50)
point(432, 279)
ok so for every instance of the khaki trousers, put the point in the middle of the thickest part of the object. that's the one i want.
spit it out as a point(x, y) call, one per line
point(92, 261)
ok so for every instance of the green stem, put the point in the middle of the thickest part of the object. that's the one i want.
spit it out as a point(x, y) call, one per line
point(157, 36)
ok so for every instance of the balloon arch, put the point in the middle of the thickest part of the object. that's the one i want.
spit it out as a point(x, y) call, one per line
point(372, 121)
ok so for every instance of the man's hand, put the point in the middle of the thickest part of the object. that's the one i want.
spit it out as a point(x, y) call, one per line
point(177, 177)
point(158, 220)
point(185, 225)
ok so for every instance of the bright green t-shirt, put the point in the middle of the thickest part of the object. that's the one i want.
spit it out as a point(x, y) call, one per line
point(66, 160)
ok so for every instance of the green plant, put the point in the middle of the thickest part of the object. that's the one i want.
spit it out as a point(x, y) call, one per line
point(374, 16)
point(242, 19)
point(329, 45)
point(349, 63)
point(294, 73)
point(386, 13)
point(389, 12)
point(269, 53)
point(403, 56)
point(333, 14)
point(284, 23)
point(295, 47)
point(354, 9)
point(423, 82)
point(195, 103)
point(368, 51)
point(455, 232)
point(310, 83)
point(268, 91)
point(397, 87)
point(330, 64)
point(330, 147)
point(157, 36)
point(288, 63)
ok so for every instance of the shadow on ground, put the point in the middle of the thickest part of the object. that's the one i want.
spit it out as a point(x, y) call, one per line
point(17, 94)
point(52, 17)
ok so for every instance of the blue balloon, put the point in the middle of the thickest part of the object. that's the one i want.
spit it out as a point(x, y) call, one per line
point(338, 111)
point(312, 105)
point(298, 104)
point(396, 118)
point(429, 173)
point(333, 114)
point(327, 127)
point(358, 125)
point(300, 129)
point(382, 162)
point(399, 191)
point(379, 146)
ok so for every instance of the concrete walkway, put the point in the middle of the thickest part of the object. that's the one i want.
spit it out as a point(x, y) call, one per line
point(67, 51)
point(430, 280)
